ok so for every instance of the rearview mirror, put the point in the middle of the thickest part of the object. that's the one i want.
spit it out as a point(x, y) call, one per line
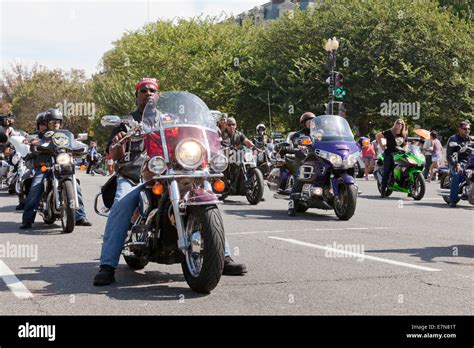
point(453, 144)
point(81, 136)
point(110, 121)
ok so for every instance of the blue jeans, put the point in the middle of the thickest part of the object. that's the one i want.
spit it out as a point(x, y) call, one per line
point(117, 227)
point(123, 187)
point(455, 180)
point(34, 197)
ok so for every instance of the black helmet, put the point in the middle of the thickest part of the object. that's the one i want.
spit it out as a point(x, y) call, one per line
point(305, 117)
point(53, 115)
point(40, 118)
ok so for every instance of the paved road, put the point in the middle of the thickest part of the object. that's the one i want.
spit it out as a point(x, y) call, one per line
point(407, 257)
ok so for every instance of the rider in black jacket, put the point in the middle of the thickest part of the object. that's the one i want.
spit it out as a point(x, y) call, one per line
point(454, 157)
point(305, 130)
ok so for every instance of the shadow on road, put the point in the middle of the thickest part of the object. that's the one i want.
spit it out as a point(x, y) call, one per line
point(76, 278)
point(38, 228)
point(265, 214)
point(428, 254)
point(9, 209)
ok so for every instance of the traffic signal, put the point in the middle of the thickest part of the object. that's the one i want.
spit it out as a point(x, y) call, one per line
point(339, 91)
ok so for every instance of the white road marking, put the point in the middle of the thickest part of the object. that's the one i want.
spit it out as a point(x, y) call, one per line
point(13, 283)
point(355, 255)
point(310, 230)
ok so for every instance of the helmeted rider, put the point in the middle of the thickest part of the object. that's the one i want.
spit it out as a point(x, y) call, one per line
point(455, 157)
point(53, 119)
point(261, 139)
point(129, 170)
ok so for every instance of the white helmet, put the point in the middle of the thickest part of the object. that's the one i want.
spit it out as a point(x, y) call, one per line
point(261, 125)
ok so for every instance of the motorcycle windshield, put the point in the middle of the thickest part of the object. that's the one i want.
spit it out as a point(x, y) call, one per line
point(173, 117)
point(58, 139)
point(331, 128)
point(415, 150)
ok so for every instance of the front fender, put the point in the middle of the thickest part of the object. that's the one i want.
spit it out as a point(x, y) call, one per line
point(342, 178)
point(200, 196)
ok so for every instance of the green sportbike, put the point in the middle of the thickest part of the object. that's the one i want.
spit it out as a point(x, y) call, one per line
point(407, 174)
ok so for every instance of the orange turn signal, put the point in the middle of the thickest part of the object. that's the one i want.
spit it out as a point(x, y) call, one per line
point(44, 169)
point(157, 189)
point(219, 185)
point(306, 141)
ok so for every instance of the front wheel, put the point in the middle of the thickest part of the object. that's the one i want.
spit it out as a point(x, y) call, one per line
point(68, 215)
point(445, 183)
point(345, 203)
point(255, 186)
point(204, 260)
point(418, 186)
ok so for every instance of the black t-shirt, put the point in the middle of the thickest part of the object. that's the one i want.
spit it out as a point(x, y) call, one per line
point(236, 139)
point(391, 142)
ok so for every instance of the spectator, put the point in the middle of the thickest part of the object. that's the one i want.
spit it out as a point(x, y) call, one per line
point(437, 149)
point(368, 156)
point(92, 156)
point(428, 152)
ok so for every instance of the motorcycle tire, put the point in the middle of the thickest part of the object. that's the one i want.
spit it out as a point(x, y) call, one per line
point(419, 178)
point(445, 183)
point(358, 172)
point(346, 209)
point(203, 270)
point(388, 192)
point(255, 196)
point(68, 214)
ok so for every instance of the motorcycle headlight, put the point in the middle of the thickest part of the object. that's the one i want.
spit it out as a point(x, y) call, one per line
point(157, 165)
point(189, 154)
point(248, 156)
point(219, 163)
point(64, 158)
point(352, 159)
point(336, 160)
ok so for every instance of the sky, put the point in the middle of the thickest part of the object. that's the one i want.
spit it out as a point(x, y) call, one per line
point(72, 34)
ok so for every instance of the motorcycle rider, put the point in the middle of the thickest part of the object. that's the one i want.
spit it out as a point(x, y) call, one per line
point(396, 138)
point(262, 139)
point(454, 157)
point(39, 133)
point(232, 137)
point(53, 118)
point(128, 193)
point(305, 130)
point(222, 123)
point(8, 122)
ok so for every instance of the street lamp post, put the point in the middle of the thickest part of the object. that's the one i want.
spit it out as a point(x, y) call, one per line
point(331, 47)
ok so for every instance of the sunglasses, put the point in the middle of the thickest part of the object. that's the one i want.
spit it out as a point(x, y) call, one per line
point(54, 121)
point(144, 90)
point(466, 129)
point(231, 125)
